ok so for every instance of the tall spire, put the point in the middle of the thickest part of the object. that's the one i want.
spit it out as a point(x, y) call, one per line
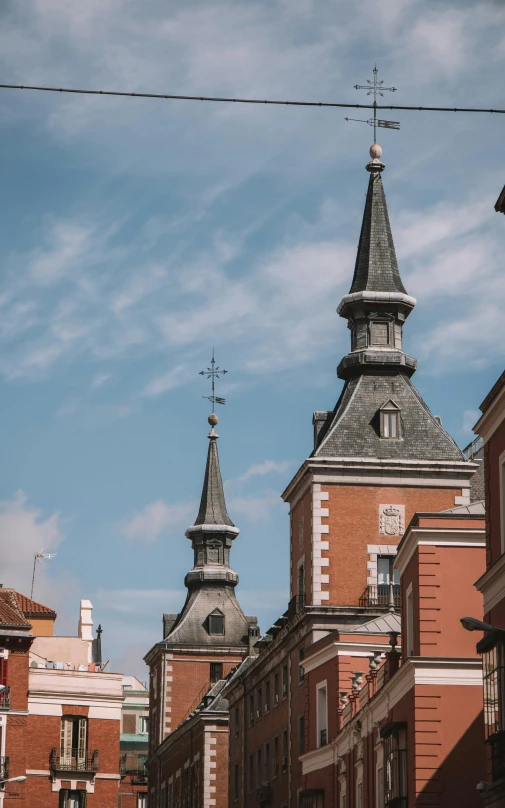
point(377, 304)
point(212, 504)
point(376, 265)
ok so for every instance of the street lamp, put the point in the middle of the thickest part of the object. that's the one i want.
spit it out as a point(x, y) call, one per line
point(19, 779)
point(472, 624)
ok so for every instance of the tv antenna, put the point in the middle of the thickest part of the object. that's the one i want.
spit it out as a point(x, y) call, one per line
point(38, 558)
point(375, 87)
point(213, 373)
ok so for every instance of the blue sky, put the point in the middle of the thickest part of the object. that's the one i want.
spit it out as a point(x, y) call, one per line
point(135, 235)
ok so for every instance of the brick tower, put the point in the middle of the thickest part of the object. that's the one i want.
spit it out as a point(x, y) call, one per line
point(211, 635)
point(380, 455)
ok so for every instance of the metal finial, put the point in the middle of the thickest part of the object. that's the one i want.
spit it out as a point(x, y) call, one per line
point(213, 373)
point(375, 87)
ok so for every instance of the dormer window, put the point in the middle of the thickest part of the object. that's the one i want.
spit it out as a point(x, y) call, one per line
point(216, 622)
point(390, 420)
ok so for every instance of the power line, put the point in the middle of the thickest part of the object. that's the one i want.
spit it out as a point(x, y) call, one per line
point(275, 102)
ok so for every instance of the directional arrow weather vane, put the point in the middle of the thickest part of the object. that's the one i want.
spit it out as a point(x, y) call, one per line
point(375, 88)
point(213, 373)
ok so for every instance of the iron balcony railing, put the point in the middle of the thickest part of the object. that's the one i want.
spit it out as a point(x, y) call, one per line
point(5, 698)
point(4, 768)
point(497, 744)
point(133, 764)
point(75, 760)
point(381, 596)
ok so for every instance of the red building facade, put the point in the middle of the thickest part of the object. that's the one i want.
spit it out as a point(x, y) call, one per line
point(404, 729)
point(491, 428)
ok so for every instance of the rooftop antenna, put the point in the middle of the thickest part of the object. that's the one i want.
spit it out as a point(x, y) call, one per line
point(375, 87)
point(38, 558)
point(214, 372)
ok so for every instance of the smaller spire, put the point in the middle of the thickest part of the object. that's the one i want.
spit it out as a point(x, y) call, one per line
point(212, 505)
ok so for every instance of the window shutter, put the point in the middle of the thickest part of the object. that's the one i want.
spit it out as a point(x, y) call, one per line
point(81, 754)
point(84, 797)
point(3, 670)
point(62, 803)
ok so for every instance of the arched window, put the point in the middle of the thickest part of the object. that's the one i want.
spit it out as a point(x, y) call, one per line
point(216, 622)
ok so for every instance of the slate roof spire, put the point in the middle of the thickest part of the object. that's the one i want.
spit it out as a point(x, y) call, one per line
point(376, 266)
point(377, 304)
point(212, 504)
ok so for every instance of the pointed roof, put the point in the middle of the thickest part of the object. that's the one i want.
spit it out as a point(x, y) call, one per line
point(212, 504)
point(376, 266)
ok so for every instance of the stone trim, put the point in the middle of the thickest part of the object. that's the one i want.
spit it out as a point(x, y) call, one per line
point(209, 768)
point(318, 545)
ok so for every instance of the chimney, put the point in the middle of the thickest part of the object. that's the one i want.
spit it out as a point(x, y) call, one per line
point(85, 628)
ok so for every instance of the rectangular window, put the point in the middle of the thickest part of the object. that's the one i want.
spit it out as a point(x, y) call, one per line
point(410, 621)
point(301, 671)
point(258, 702)
point(267, 695)
point(359, 795)
point(142, 799)
point(395, 764)
point(73, 742)
point(216, 624)
point(236, 723)
point(342, 801)
point(301, 734)
point(275, 756)
point(301, 586)
point(322, 715)
point(276, 689)
point(251, 772)
point(259, 768)
point(266, 763)
point(251, 710)
point(380, 787)
point(72, 799)
point(216, 671)
point(285, 682)
point(493, 663)
point(170, 795)
point(284, 761)
point(143, 724)
point(390, 424)
point(235, 781)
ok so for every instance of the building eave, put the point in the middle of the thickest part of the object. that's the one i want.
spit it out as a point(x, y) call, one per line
point(437, 537)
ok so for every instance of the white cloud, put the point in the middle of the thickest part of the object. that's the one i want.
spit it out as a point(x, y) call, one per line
point(99, 380)
point(23, 532)
point(157, 518)
point(176, 377)
point(266, 467)
point(254, 509)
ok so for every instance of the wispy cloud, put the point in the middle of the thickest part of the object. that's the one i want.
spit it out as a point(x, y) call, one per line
point(266, 467)
point(156, 519)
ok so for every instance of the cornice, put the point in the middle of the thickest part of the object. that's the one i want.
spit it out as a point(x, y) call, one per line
point(492, 584)
point(375, 471)
point(492, 418)
point(436, 537)
point(336, 649)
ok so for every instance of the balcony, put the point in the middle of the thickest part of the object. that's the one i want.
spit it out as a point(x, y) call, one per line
point(381, 596)
point(73, 760)
point(134, 765)
point(4, 768)
point(5, 698)
point(497, 744)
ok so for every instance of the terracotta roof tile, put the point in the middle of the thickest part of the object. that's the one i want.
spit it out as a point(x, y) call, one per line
point(10, 611)
point(32, 608)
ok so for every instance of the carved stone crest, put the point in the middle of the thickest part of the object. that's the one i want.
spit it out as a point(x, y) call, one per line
point(392, 520)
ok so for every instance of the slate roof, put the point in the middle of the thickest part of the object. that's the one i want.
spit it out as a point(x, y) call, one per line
point(31, 608)
point(11, 615)
point(352, 429)
point(191, 626)
point(475, 508)
point(380, 625)
point(376, 266)
point(212, 505)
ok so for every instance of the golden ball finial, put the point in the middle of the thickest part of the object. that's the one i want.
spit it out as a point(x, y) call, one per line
point(213, 419)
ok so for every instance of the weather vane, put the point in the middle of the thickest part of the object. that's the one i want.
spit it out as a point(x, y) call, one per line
point(375, 88)
point(213, 373)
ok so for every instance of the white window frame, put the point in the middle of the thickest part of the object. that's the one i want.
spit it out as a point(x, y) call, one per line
point(379, 767)
point(321, 686)
point(343, 792)
point(409, 609)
